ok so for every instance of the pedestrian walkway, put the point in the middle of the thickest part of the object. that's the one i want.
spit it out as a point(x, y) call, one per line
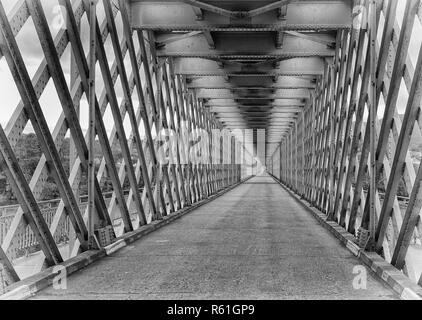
point(254, 242)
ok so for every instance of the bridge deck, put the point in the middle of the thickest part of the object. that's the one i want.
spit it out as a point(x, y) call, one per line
point(254, 242)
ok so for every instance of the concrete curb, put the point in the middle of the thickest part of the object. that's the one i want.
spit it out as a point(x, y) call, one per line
point(29, 287)
point(387, 273)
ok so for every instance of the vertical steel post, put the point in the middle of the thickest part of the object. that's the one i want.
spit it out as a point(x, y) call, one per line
point(372, 115)
point(73, 150)
point(91, 168)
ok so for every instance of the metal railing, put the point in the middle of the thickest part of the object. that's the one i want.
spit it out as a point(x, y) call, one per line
point(25, 240)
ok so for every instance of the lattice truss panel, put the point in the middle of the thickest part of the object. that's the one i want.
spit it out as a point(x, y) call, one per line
point(137, 93)
point(325, 157)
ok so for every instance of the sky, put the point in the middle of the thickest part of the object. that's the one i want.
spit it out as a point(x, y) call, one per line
point(32, 55)
point(414, 47)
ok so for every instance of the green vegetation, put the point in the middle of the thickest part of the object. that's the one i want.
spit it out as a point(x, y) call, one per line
point(28, 153)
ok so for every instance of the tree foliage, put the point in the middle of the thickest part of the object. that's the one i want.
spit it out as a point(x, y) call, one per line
point(28, 153)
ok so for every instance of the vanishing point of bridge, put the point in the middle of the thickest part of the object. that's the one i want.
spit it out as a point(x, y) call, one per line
point(211, 149)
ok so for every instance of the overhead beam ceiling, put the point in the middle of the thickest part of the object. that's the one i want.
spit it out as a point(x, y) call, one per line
point(301, 15)
point(253, 63)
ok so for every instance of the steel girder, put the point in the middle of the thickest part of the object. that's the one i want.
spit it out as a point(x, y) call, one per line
point(325, 156)
point(291, 67)
point(144, 95)
point(302, 15)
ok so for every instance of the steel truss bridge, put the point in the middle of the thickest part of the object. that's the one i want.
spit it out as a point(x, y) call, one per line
point(334, 87)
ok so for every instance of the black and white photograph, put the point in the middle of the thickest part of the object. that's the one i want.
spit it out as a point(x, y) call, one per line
point(210, 156)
